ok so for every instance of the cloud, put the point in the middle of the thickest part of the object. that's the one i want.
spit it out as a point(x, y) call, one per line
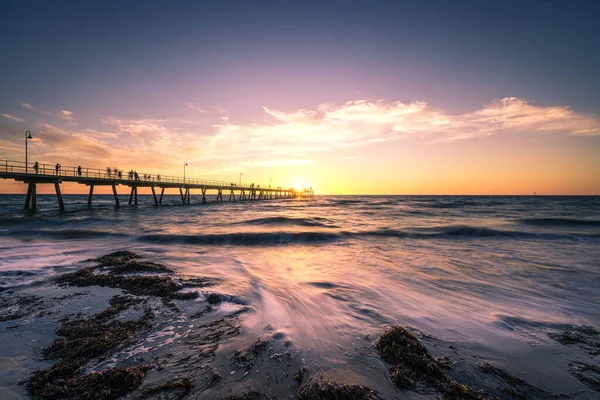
point(28, 106)
point(137, 127)
point(66, 115)
point(62, 114)
point(12, 117)
point(196, 107)
point(360, 122)
point(293, 137)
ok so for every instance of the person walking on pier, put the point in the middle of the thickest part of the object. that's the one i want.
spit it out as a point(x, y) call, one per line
point(57, 168)
point(79, 170)
point(120, 174)
point(135, 174)
point(36, 167)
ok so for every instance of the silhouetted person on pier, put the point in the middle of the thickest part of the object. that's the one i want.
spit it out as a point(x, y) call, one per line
point(120, 174)
point(79, 170)
point(158, 177)
point(135, 174)
point(57, 168)
point(36, 167)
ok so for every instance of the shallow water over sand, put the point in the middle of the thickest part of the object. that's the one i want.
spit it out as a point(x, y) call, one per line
point(491, 275)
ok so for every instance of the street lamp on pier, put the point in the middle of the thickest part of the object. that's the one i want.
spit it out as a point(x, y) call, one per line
point(27, 137)
point(184, 165)
point(241, 178)
point(270, 182)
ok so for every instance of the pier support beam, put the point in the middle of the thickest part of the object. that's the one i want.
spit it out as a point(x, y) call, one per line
point(90, 195)
point(28, 196)
point(188, 195)
point(162, 192)
point(154, 195)
point(117, 204)
point(59, 197)
point(133, 195)
point(220, 195)
point(34, 196)
point(181, 193)
point(203, 195)
point(232, 196)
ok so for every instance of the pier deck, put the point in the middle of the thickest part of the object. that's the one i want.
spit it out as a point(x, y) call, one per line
point(33, 174)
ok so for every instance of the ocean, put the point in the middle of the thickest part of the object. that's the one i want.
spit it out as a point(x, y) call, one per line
point(493, 276)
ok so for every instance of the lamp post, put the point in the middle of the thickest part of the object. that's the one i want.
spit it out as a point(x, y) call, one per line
point(271, 181)
point(27, 137)
point(184, 165)
point(241, 179)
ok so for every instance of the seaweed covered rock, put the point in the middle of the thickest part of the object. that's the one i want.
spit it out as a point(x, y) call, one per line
point(116, 258)
point(250, 395)
point(119, 270)
point(88, 338)
point(160, 286)
point(408, 357)
point(178, 387)
point(332, 391)
point(83, 339)
point(586, 373)
point(213, 298)
point(410, 362)
point(135, 266)
point(61, 382)
point(300, 374)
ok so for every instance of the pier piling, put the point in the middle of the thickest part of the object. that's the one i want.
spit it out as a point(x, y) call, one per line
point(114, 189)
point(90, 195)
point(154, 195)
point(59, 197)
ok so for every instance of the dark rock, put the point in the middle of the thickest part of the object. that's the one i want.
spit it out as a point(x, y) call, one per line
point(182, 386)
point(213, 298)
point(332, 391)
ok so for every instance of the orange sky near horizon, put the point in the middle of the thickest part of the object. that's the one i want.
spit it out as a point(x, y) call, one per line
point(489, 165)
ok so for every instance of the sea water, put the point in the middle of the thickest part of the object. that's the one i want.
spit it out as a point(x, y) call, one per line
point(491, 273)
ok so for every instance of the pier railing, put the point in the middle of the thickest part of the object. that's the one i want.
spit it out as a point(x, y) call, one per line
point(44, 169)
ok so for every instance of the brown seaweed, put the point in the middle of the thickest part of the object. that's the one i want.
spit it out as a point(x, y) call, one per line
point(410, 362)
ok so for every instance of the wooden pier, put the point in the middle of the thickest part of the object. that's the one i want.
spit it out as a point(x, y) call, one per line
point(34, 174)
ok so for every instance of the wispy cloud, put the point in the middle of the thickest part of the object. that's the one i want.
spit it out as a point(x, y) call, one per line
point(12, 117)
point(196, 107)
point(62, 114)
point(361, 122)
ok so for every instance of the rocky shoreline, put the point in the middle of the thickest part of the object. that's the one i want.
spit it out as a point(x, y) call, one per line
point(147, 333)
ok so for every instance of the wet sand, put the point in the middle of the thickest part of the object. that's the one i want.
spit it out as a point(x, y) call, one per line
point(124, 326)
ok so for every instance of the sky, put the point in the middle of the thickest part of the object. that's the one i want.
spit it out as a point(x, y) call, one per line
point(350, 97)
